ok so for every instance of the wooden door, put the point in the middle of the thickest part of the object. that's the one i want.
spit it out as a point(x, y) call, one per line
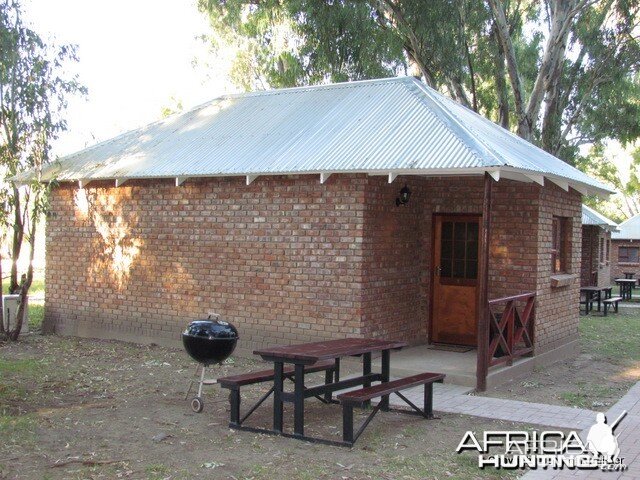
point(455, 279)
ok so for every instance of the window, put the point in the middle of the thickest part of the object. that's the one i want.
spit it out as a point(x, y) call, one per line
point(628, 254)
point(459, 251)
point(558, 245)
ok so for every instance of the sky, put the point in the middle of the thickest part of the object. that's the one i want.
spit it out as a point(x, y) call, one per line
point(136, 57)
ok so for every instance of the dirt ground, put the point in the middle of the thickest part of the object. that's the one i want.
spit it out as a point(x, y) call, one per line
point(89, 409)
point(607, 365)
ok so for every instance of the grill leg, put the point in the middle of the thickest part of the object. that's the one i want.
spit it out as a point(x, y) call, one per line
point(234, 400)
point(204, 369)
point(386, 367)
point(277, 396)
point(298, 405)
point(347, 423)
point(428, 400)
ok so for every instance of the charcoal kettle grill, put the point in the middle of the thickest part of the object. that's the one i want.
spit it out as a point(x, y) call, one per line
point(208, 342)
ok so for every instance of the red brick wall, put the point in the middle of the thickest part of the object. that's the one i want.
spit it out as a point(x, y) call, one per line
point(618, 268)
point(593, 239)
point(279, 258)
point(393, 297)
point(557, 307)
point(398, 245)
point(288, 259)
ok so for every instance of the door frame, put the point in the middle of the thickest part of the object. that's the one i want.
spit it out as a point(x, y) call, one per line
point(433, 259)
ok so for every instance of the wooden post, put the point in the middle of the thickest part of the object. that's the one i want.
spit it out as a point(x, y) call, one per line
point(482, 361)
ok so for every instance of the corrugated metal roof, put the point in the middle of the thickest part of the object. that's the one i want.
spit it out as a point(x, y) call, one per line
point(591, 217)
point(393, 125)
point(628, 230)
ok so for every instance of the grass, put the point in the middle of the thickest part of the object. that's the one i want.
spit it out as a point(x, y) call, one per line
point(590, 396)
point(157, 471)
point(36, 316)
point(36, 310)
point(14, 376)
point(17, 430)
point(616, 338)
point(37, 286)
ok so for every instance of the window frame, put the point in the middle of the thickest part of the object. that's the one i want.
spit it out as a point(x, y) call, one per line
point(559, 228)
point(627, 260)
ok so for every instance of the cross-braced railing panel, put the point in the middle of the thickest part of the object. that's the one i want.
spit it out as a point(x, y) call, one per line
point(511, 327)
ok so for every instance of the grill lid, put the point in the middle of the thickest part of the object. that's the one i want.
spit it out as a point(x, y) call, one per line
point(211, 329)
point(210, 341)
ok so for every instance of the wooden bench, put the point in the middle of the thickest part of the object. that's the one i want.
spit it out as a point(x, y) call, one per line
point(362, 396)
point(234, 382)
point(607, 302)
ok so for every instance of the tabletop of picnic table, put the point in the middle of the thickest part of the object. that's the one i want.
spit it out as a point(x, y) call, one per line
point(327, 349)
point(593, 289)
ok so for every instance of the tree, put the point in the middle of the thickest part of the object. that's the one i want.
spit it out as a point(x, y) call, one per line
point(619, 167)
point(550, 70)
point(33, 96)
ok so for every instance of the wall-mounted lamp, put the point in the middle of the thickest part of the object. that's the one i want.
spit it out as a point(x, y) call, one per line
point(403, 199)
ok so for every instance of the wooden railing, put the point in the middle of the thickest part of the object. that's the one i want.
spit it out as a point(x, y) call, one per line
point(510, 328)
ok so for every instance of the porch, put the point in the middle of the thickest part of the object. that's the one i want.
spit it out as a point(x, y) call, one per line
point(459, 367)
point(507, 325)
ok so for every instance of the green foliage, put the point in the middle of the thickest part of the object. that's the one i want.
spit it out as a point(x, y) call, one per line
point(300, 42)
point(174, 107)
point(33, 96)
point(589, 96)
point(601, 163)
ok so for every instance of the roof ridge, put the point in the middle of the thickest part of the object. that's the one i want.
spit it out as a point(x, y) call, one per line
point(323, 86)
point(628, 220)
point(430, 93)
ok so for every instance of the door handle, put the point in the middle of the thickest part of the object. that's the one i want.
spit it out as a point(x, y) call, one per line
point(438, 270)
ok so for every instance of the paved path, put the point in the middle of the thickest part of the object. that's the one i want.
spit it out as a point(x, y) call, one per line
point(454, 399)
point(628, 441)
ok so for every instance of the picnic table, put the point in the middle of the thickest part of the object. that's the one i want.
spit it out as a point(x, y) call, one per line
point(311, 353)
point(591, 293)
point(626, 286)
point(293, 362)
point(628, 274)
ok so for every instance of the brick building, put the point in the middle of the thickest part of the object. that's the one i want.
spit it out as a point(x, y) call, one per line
point(596, 248)
point(625, 251)
point(303, 214)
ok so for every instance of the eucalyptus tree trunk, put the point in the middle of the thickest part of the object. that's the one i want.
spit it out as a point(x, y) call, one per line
point(545, 87)
point(16, 241)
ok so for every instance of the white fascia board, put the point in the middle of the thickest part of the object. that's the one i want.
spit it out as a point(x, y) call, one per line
point(495, 174)
point(580, 188)
point(563, 184)
point(251, 178)
point(539, 179)
point(325, 176)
